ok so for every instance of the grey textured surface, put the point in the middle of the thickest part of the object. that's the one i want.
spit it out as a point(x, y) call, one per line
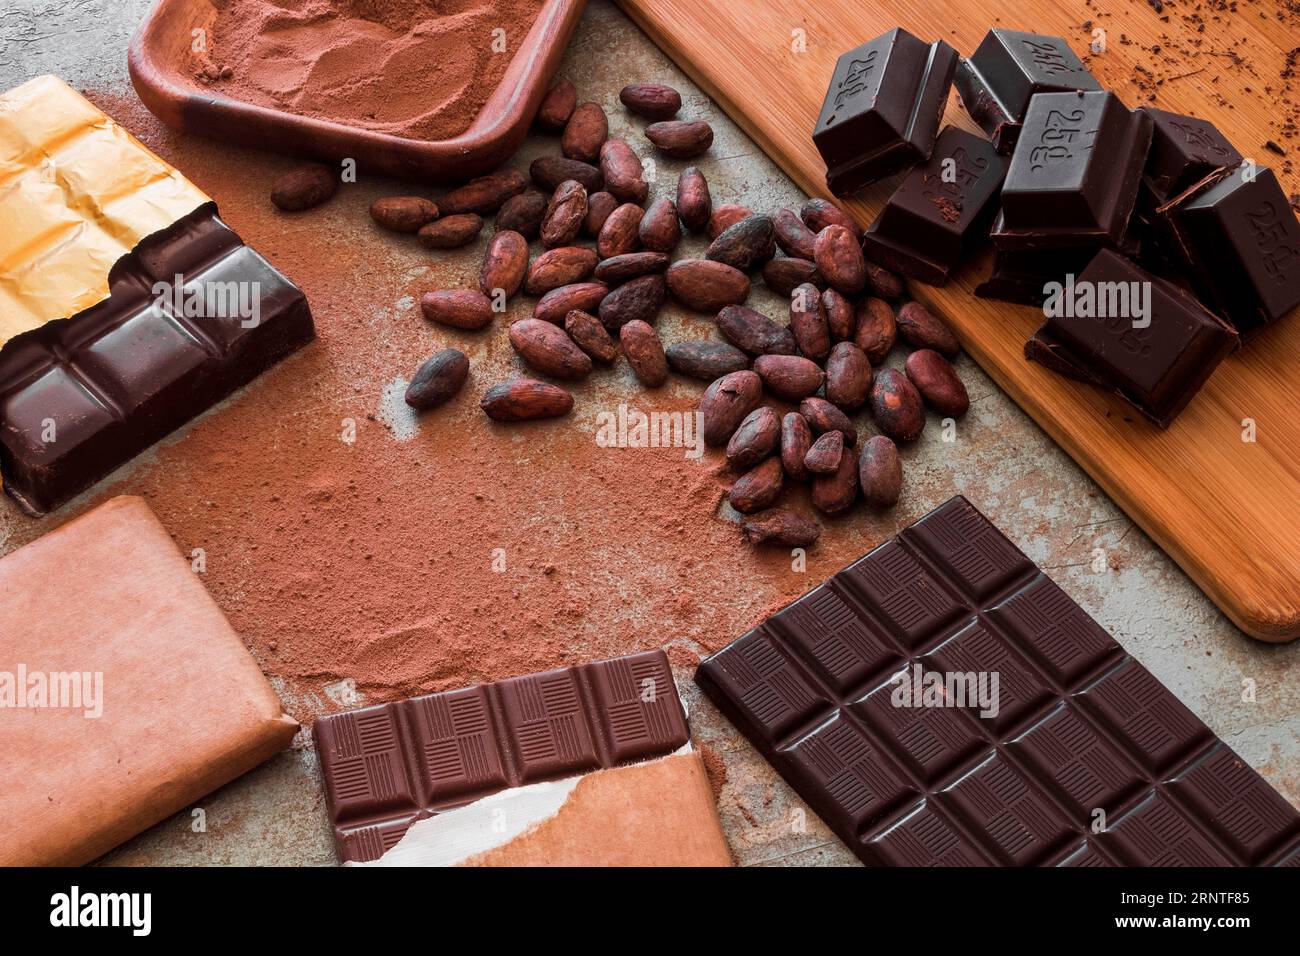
point(1017, 475)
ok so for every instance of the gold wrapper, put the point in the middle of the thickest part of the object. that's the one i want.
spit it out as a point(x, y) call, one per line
point(77, 192)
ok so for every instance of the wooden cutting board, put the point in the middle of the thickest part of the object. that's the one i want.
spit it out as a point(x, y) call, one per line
point(1226, 510)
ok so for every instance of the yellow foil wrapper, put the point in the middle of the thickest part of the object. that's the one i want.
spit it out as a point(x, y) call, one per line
point(77, 193)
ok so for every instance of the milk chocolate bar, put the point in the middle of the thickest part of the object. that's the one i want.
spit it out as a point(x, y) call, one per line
point(387, 766)
point(864, 696)
point(883, 108)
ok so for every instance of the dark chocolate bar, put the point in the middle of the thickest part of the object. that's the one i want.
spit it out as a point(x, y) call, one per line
point(940, 211)
point(1240, 242)
point(1074, 176)
point(1007, 69)
point(1184, 151)
point(1156, 368)
point(1022, 276)
point(83, 395)
point(385, 767)
point(883, 108)
point(1084, 736)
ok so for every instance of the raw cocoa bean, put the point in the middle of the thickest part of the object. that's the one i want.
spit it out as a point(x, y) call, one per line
point(880, 473)
point(522, 399)
point(835, 494)
point(794, 238)
point(745, 245)
point(637, 301)
point(549, 171)
point(757, 437)
point(848, 377)
point(557, 106)
point(877, 329)
point(599, 206)
point(585, 133)
point(705, 285)
point(823, 457)
point(796, 439)
point(840, 318)
point(923, 330)
point(564, 214)
point(645, 353)
point(402, 213)
point(523, 214)
point(660, 231)
point(706, 360)
point(558, 303)
point(783, 274)
point(753, 331)
point(549, 349)
point(680, 139)
point(825, 417)
point(484, 194)
point(459, 308)
point(757, 488)
point(896, 406)
point(937, 381)
point(504, 264)
point(781, 527)
point(586, 330)
point(303, 187)
point(438, 379)
point(723, 217)
point(882, 282)
point(631, 265)
point(554, 268)
point(791, 377)
point(451, 232)
point(624, 176)
point(651, 100)
point(817, 214)
point(621, 232)
point(694, 203)
point(725, 404)
point(808, 322)
point(839, 260)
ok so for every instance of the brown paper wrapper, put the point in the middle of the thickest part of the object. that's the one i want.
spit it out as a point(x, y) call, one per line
point(184, 708)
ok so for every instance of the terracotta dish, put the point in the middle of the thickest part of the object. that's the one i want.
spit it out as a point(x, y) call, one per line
point(162, 71)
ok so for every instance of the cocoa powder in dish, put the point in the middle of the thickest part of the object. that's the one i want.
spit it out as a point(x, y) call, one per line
point(420, 69)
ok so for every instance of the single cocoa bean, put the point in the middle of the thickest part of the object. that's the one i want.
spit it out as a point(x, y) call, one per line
point(825, 417)
point(880, 473)
point(522, 399)
point(817, 214)
point(882, 282)
point(549, 350)
point(451, 232)
point(557, 106)
point(303, 187)
point(706, 360)
point(554, 268)
point(624, 176)
point(645, 353)
point(558, 303)
point(403, 213)
point(839, 260)
point(835, 494)
point(744, 245)
point(586, 330)
point(808, 322)
point(504, 264)
point(724, 217)
point(585, 133)
point(564, 214)
point(753, 331)
point(796, 440)
point(621, 232)
point(651, 100)
point(937, 381)
point(438, 379)
point(659, 230)
point(725, 404)
point(921, 329)
point(599, 206)
point(823, 457)
point(459, 308)
point(848, 377)
point(631, 265)
point(896, 406)
point(694, 203)
point(637, 301)
point(791, 377)
point(758, 488)
point(705, 285)
point(680, 139)
point(840, 318)
point(781, 527)
point(877, 329)
point(794, 238)
point(757, 437)
point(783, 275)
point(523, 214)
point(549, 171)
point(484, 194)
